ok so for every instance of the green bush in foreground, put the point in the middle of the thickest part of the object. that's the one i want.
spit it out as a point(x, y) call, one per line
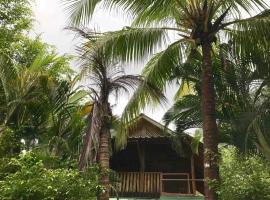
point(26, 178)
point(244, 177)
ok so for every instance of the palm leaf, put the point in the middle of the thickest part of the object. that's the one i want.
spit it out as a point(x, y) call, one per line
point(251, 30)
point(161, 67)
point(80, 11)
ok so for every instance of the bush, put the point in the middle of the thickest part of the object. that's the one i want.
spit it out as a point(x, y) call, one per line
point(244, 177)
point(10, 144)
point(32, 181)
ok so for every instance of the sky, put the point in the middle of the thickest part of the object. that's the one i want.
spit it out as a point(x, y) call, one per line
point(51, 21)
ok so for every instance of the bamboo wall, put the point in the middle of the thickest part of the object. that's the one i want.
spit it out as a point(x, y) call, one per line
point(152, 184)
point(138, 184)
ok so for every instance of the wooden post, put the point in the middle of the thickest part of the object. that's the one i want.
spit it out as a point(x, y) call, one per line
point(189, 192)
point(141, 155)
point(193, 175)
point(160, 183)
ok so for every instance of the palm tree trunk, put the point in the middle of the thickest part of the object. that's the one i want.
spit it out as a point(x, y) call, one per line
point(210, 132)
point(90, 139)
point(104, 157)
point(87, 143)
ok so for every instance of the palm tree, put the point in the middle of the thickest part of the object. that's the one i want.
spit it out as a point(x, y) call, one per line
point(198, 23)
point(105, 78)
point(242, 95)
point(39, 102)
point(64, 123)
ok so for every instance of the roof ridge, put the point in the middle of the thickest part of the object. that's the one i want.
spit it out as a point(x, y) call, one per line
point(155, 122)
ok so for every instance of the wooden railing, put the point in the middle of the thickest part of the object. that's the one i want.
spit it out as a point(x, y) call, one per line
point(152, 184)
point(175, 183)
point(138, 184)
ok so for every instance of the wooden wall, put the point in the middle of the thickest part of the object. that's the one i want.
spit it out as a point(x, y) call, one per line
point(159, 157)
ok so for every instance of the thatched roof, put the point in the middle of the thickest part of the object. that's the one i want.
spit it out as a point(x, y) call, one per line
point(145, 127)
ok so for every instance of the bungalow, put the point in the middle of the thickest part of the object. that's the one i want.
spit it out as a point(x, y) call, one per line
point(155, 163)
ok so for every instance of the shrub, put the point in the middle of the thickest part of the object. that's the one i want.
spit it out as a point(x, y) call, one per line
point(10, 144)
point(244, 177)
point(32, 181)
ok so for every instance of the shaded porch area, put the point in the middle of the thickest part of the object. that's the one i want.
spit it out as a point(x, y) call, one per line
point(154, 184)
point(151, 165)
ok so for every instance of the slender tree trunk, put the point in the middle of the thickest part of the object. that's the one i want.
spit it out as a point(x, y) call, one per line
point(211, 170)
point(87, 143)
point(104, 157)
point(103, 153)
point(90, 141)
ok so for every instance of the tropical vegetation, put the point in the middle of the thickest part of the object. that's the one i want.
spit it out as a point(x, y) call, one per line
point(56, 123)
point(200, 25)
point(105, 78)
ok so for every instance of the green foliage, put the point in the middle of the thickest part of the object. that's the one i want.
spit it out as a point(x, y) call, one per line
point(15, 18)
point(40, 103)
point(9, 143)
point(37, 101)
point(28, 179)
point(242, 98)
point(244, 177)
point(193, 22)
point(26, 50)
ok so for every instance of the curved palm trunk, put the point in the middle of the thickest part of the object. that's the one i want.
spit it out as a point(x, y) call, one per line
point(211, 170)
point(91, 139)
point(97, 139)
point(87, 143)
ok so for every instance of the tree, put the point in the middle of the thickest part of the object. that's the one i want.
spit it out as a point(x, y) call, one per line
point(15, 19)
point(39, 103)
point(106, 77)
point(41, 181)
point(198, 23)
point(243, 176)
point(241, 84)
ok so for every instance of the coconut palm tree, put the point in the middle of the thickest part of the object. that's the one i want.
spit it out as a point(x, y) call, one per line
point(198, 24)
point(105, 78)
point(242, 93)
point(37, 103)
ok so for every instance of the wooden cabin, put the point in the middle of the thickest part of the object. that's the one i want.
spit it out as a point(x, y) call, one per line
point(150, 165)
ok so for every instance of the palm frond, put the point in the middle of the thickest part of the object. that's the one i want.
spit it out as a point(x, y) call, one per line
point(251, 30)
point(80, 11)
point(239, 6)
point(196, 140)
point(161, 67)
point(261, 141)
point(155, 12)
point(186, 88)
point(185, 113)
point(133, 43)
point(145, 95)
point(127, 83)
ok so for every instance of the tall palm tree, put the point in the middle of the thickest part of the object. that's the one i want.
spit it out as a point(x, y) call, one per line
point(105, 77)
point(242, 95)
point(198, 24)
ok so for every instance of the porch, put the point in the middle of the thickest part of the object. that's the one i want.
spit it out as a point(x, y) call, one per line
point(154, 164)
point(154, 184)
